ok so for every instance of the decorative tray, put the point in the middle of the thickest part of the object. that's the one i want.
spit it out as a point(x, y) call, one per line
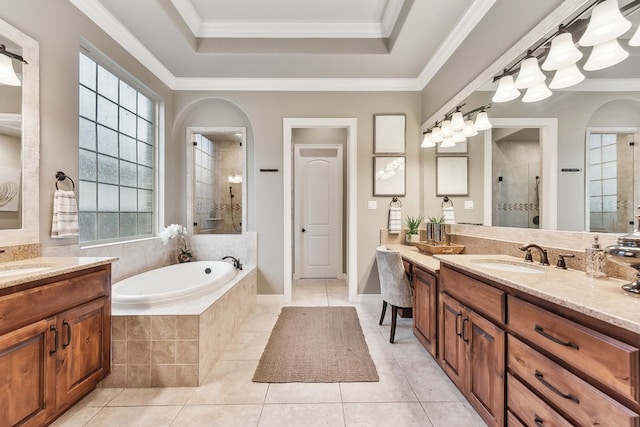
point(439, 248)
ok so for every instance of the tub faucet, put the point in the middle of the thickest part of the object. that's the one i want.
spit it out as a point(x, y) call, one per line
point(236, 261)
point(544, 260)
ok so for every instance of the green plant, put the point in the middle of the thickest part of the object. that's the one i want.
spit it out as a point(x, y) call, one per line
point(413, 223)
point(436, 219)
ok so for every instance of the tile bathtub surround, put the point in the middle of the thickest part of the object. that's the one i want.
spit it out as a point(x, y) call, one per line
point(19, 252)
point(177, 350)
point(215, 246)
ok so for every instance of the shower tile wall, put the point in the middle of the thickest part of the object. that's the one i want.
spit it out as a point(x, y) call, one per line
point(515, 203)
point(204, 189)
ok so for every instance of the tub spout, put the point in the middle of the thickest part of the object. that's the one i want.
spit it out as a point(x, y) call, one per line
point(236, 261)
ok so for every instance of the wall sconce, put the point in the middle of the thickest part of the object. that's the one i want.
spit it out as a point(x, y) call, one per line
point(7, 73)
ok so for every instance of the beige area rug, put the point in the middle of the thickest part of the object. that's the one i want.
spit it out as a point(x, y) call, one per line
point(316, 345)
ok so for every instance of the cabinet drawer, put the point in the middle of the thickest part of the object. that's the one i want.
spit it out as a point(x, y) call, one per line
point(530, 408)
point(578, 399)
point(481, 297)
point(21, 308)
point(607, 360)
point(512, 421)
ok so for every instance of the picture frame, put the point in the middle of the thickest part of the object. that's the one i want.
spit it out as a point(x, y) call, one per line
point(459, 148)
point(389, 177)
point(452, 176)
point(389, 133)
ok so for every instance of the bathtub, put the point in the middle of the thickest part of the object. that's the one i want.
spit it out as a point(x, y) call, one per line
point(171, 284)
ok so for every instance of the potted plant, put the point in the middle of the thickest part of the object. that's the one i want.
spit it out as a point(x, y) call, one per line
point(413, 232)
point(434, 228)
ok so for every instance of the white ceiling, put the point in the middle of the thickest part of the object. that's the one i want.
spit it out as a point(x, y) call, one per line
point(289, 44)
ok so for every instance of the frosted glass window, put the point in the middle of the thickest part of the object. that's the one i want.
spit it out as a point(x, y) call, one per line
point(595, 140)
point(603, 185)
point(610, 186)
point(595, 156)
point(609, 153)
point(595, 172)
point(87, 134)
point(595, 204)
point(609, 138)
point(595, 188)
point(609, 203)
point(116, 156)
point(609, 170)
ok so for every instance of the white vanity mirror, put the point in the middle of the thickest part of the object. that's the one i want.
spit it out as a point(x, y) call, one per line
point(564, 162)
point(19, 141)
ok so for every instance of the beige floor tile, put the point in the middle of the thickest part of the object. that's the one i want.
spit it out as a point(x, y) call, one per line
point(303, 393)
point(379, 347)
point(167, 396)
point(406, 414)
point(100, 397)
point(218, 416)
point(337, 284)
point(306, 284)
point(229, 382)
point(76, 416)
point(392, 387)
point(429, 382)
point(338, 297)
point(263, 322)
point(307, 415)
point(452, 414)
point(246, 346)
point(138, 416)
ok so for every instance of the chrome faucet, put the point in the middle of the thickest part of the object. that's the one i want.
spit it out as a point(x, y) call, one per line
point(236, 261)
point(544, 260)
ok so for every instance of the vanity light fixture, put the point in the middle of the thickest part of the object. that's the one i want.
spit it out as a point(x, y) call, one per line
point(442, 132)
point(563, 52)
point(530, 73)
point(457, 121)
point(635, 39)
point(605, 55)
point(536, 93)
point(566, 77)
point(606, 23)
point(507, 90)
point(7, 73)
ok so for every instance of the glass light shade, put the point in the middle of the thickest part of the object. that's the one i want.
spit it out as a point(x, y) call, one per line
point(469, 130)
point(537, 93)
point(458, 137)
point(605, 55)
point(606, 23)
point(445, 129)
point(7, 73)
point(482, 121)
point(563, 53)
point(427, 142)
point(635, 40)
point(436, 135)
point(566, 77)
point(506, 90)
point(530, 74)
point(457, 121)
point(447, 142)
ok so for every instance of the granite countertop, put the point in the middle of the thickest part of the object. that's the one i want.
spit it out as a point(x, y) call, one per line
point(412, 254)
point(599, 298)
point(45, 267)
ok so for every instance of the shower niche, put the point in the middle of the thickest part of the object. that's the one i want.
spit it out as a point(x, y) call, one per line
point(218, 193)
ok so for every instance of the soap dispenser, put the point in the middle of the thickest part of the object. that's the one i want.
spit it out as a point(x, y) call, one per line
point(594, 258)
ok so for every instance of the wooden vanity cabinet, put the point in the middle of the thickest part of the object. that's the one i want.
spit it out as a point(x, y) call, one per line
point(425, 313)
point(472, 347)
point(58, 357)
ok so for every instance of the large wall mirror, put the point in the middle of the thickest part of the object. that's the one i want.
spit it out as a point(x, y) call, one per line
point(588, 182)
point(19, 141)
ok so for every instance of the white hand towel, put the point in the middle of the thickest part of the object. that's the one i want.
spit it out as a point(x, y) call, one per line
point(449, 215)
point(395, 220)
point(65, 215)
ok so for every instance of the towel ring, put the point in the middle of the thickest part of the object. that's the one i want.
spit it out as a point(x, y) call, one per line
point(61, 176)
point(395, 202)
point(446, 200)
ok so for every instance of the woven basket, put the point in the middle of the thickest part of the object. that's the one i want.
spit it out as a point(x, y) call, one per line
point(439, 249)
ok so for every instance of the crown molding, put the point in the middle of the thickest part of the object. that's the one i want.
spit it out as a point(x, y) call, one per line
point(298, 84)
point(456, 36)
point(288, 29)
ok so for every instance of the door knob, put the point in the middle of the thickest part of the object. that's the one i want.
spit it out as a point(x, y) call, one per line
point(303, 230)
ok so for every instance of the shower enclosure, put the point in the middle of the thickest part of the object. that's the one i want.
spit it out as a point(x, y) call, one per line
point(217, 155)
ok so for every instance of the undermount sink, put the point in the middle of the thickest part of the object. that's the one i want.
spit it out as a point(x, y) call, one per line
point(510, 266)
point(15, 270)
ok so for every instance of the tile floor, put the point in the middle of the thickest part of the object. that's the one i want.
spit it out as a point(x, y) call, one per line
point(412, 391)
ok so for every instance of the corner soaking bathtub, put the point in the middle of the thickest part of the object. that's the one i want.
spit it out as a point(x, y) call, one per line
point(171, 284)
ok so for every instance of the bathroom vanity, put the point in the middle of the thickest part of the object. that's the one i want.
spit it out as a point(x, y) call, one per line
point(55, 333)
point(529, 345)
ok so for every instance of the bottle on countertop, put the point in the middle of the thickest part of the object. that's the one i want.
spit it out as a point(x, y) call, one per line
point(594, 259)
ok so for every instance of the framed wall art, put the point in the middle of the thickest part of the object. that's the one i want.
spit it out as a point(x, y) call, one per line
point(452, 176)
point(388, 176)
point(389, 133)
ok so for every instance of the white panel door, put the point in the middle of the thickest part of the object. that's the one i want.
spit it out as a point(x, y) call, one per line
point(318, 211)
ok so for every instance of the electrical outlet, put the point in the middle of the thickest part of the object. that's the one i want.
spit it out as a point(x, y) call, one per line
point(372, 204)
point(468, 204)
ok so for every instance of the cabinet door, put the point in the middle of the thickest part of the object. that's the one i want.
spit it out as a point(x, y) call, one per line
point(485, 366)
point(83, 358)
point(452, 347)
point(27, 374)
point(425, 309)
